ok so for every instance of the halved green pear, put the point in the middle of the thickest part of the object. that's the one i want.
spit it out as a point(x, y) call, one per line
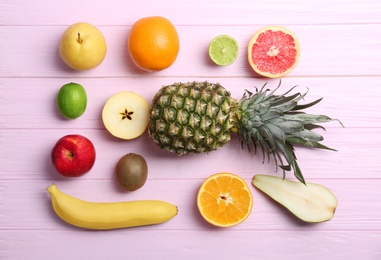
point(311, 203)
point(126, 115)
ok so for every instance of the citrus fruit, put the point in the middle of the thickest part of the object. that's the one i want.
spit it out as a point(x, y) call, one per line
point(273, 51)
point(153, 43)
point(224, 200)
point(126, 115)
point(223, 50)
point(82, 46)
point(72, 100)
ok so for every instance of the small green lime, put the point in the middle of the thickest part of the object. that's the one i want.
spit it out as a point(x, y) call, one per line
point(72, 100)
point(223, 50)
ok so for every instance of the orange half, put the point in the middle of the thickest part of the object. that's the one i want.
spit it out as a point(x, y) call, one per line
point(224, 200)
point(273, 51)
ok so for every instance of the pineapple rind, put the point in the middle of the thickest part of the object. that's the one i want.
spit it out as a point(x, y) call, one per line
point(197, 117)
point(193, 117)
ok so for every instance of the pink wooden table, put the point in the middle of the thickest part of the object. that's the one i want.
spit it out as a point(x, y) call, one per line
point(340, 61)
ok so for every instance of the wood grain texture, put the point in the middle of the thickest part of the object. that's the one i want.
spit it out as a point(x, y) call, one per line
point(322, 52)
point(358, 208)
point(163, 165)
point(189, 244)
point(340, 61)
point(197, 12)
point(346, 99)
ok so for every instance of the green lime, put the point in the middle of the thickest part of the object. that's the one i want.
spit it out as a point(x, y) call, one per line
point(72, 100)
point(223, 50)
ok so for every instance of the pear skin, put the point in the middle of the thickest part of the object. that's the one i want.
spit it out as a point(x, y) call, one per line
point(312, 203)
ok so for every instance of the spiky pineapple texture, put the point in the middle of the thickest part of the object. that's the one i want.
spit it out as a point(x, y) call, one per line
point(276, 123)
point(193, 117)
point(197, 117)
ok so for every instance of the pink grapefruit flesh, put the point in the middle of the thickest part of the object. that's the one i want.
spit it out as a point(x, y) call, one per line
point(273, 51)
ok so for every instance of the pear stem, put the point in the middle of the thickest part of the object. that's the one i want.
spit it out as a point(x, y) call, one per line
point(79, 38)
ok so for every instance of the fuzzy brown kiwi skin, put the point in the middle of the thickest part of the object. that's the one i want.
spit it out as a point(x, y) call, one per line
point(131, 171)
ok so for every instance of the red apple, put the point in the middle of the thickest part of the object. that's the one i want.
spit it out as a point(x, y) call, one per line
point(73, 155)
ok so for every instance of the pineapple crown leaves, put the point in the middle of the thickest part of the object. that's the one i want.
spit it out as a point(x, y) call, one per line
point(275, 123)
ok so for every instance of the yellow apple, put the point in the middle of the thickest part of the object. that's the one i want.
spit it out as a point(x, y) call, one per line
point(126, 115)
point(82, 46)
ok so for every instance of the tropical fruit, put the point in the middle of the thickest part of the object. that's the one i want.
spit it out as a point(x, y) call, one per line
point(153, 43)
point(198, 117)
point(109, 215)
point(312, 203)
point(273, 51)
point(224, 200)
point(125, 115)
point(223, 50)
point(72, 100)
point(131, 171)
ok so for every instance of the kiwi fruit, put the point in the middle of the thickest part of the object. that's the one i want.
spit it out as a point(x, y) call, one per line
point(131, 171)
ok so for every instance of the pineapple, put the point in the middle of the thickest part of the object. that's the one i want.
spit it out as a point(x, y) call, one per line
point(198, 117)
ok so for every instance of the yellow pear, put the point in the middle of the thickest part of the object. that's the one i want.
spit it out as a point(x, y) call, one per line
point(82, 46)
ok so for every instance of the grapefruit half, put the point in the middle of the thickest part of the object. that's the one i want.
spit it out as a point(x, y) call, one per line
point(273, 51)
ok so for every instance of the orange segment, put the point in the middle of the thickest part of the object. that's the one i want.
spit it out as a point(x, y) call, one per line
point(224, 200)
point(273, 51)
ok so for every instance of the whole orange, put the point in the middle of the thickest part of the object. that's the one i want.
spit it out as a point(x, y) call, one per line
point(153, 43)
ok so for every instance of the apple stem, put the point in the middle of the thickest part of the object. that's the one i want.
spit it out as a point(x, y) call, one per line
point(79, 38)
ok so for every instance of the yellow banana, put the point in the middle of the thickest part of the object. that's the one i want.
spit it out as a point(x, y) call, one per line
point(93, 215)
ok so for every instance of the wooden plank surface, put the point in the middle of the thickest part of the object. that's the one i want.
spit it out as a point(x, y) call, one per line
point(198, 12)
point(322, 52)
point(188, 244)
point(358, 205)
point(340, 61)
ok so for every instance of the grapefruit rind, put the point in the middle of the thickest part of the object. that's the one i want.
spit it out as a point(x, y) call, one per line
point(253, 41)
